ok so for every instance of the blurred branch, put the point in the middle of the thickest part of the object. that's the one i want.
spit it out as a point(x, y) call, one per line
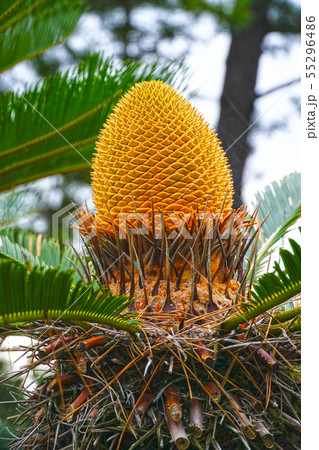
point(277, 88)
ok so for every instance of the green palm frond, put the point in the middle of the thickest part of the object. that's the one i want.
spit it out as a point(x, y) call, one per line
point(49, 293)
point(281, 198)
point(279, 204)
point(28, 27)
point(36, 250)
point(272, 289)
point(52, 128)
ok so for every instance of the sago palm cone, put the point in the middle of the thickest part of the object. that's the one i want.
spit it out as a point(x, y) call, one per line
point(161, 167)
point(157, 147)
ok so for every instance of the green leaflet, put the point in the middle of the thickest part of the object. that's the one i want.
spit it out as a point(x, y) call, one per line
point(281, 198)
point(49, 293)
point(272, 289)
point(38, 251)
point(27, 28)
point(279, 204)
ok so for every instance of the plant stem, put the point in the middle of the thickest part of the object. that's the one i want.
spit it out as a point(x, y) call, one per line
point(177, 431)
point(196, 418)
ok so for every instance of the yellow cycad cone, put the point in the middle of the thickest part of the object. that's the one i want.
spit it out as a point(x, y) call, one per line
point(157, 148)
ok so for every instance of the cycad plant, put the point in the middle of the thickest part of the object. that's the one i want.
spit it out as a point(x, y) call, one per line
point(168, 330)
point(162, 340)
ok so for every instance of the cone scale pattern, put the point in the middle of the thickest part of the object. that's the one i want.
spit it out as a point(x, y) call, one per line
point(157, 148)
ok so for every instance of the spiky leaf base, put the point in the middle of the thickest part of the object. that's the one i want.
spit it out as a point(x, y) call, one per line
point(190, 263)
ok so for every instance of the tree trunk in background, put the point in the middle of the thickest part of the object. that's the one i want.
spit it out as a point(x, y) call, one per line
point(238, 96)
